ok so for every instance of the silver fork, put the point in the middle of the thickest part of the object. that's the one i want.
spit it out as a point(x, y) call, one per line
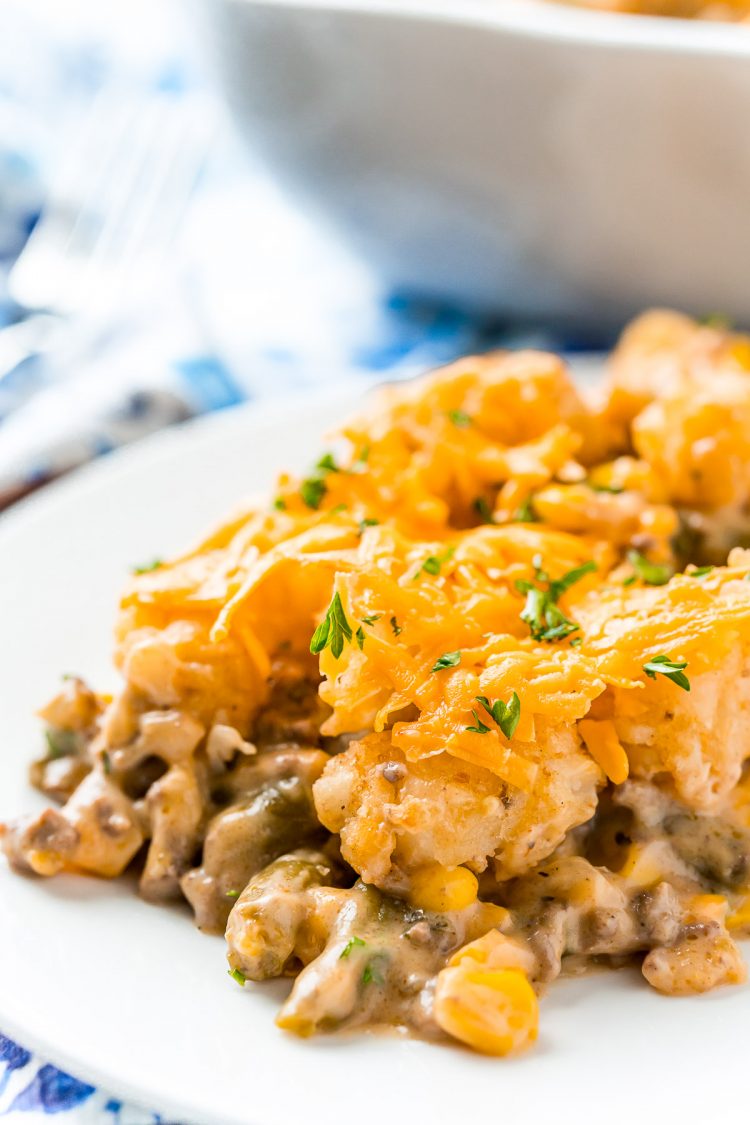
point(112, 212)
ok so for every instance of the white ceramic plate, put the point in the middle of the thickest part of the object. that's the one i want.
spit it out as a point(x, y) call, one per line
point(132, 997)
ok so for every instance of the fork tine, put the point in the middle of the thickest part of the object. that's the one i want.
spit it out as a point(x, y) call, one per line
point(121, 201)
point(122, 189)
point(164, 202)
point(68, 226)
point(167, 149)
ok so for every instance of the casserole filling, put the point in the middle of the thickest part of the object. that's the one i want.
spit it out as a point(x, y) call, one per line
point(464, 708)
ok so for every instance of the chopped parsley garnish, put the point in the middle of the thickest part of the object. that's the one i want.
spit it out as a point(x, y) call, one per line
point(362, 459)
point(506, 715)
point(615, 489)
point(576, 641)
point(433, 563)
point(232, 894)
point(526, 513)
point(360, 637)
point(718, 320)
point(484, 511)
point(395, 627)
point(700, 571)
point(350, 945)
point(674, 670)
point(106, 762)
point(146, 568)
point(371, 619)
point(339, 508)
point(368, 522)
point(280, 504)
point(372, 974)
point(560, 585)
point(312, 491)
point(630, 580)
point(333, 630)
point(460, 419)
point(447, 660)
point(235, 974)
point(327, 464)
point(314, 488)
point(60, 743)
point(545, 619)
point(479, 728)
point(653, 574)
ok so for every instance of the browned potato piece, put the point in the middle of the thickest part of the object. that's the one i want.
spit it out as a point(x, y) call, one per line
point(98, 831)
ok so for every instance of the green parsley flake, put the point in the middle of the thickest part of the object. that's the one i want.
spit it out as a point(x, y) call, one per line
point(653, 574)
point(146, 568)
point(700, 571)
point(368, 522)
point(235, 974)
point(60, 743)
point(559, 586)
point(674, 670)
point(460, 419)
point(479, 727)
point(360, 637)
point(372, 974)
point(106, 762)
point(576, 641)
point(433, 563)
point(312, 491)
point(545, 619)
point(371, 619)
point(482, 507)
point(718, 320)
point(447, 660)
point(327, 464)
point(615, 489)
point(333, 630)
point(350, 945)
point(526, 513)
point(506, 715)
point(233, 894)
point(280, 504)
point(395, 627)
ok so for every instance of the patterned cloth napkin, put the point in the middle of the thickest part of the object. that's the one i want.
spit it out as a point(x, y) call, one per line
point(259, 302)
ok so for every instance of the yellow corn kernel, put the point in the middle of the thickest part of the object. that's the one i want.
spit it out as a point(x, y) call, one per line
point(487, 916)
point(642, 867)
point(739, 919)
point(442, 889)
point(605, 748)
point(492, 1010)
point(43, 863)
point(496, 951)
point(298, 1025)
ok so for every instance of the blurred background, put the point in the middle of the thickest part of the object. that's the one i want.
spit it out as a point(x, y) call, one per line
point(397, 188)
point(150, 266)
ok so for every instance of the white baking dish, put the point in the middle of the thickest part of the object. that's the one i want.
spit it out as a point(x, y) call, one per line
point(518, 155)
